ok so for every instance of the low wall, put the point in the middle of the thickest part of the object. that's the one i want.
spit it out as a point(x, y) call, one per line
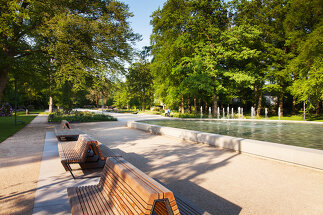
point(292, 154)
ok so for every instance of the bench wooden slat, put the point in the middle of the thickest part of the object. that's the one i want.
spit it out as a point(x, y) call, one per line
point(123, 189)
point(104, 208)
point(136, 186)
point(137, 179)
point(95, 204)
point(114, 189)
point(74, 201)
point(86, 206)
point(65, 124)
point(105, 152)
point(113, 202)
point(65, 131)
point(77, 152)
point(164, 192)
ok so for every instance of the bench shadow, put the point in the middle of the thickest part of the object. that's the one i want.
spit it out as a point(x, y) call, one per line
point(215, 204)
point(184, 187)
point(179, 166)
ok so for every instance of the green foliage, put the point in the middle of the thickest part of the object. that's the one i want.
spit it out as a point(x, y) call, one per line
point(212, 51)
point(241, 49)
point(139, 81)
point(58, 43)
point(80, 117)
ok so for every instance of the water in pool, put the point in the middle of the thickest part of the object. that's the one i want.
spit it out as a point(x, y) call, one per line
point(297, 134)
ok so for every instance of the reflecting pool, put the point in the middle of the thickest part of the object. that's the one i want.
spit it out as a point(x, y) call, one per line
point(297, 134)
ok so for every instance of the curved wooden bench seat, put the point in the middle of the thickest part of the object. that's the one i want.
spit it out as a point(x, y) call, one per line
point(64, 131)
point(123, 189)
point(83, 151)
point(65, 124)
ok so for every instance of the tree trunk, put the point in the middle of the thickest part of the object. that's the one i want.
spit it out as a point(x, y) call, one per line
point(195, 105)
point(259, 104)
point(143, 103)
point(215, 105)
point(255, 95)
point(182, 105)
point(318, 107)
point(281, 103)
point(293, 106)
point(50, 108)
point(205, 107)
point(3, 81)
point(102, 100)
point(189, 104)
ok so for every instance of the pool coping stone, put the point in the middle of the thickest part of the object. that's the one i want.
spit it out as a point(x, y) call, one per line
point(292, 154)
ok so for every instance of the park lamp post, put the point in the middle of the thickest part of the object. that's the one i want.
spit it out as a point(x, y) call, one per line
point(304, 109)
point(15, 102)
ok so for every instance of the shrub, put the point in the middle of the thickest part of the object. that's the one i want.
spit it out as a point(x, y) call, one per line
point(80, 117)
point(31, 107)
point(156, 108)
point(186, 115)
point(6, 110)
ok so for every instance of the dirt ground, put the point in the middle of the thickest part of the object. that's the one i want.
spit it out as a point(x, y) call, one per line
point(20, 158)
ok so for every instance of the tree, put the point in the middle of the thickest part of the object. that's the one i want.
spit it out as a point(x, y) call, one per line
point(304, 28)
point(180, 28)
point(139, 80)
point(76, 37)
point(170, 42)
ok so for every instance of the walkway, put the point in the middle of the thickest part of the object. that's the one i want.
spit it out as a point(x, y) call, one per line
point(220, 181)
point(20, 158)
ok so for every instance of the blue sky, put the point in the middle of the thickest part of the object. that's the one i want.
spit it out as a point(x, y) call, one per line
point(142, 10)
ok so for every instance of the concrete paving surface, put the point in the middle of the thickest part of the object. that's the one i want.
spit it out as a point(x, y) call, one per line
point(219, 181)
point(51, 196)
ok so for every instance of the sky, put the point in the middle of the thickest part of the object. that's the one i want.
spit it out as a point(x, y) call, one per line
point(140, 22)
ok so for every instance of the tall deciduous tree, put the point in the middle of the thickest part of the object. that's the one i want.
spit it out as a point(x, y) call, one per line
point(139, 80)
point(304, 29)
point(76, 35)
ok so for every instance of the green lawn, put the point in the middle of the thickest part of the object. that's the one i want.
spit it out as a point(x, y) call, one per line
point(7, 124)
point(293, 117)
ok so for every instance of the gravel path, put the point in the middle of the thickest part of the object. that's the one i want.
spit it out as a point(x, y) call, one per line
point(20, 157)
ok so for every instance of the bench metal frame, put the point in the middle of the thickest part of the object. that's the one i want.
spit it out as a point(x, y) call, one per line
point(93, 146)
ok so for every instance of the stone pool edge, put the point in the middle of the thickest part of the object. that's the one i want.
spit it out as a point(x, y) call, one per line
point(292, 154)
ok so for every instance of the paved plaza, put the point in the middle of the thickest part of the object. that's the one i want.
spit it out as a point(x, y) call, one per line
point(219, 181)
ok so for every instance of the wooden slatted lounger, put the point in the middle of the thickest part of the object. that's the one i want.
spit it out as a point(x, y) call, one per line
point(86, 151)
point(124, 189)
point(64, 131)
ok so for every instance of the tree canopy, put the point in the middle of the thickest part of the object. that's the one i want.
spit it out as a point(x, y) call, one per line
point(70, 39)
point(207, 53)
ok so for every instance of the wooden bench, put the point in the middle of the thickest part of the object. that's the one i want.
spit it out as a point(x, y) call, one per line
point(64, 131)
point(124, 189)
point(86, 151)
